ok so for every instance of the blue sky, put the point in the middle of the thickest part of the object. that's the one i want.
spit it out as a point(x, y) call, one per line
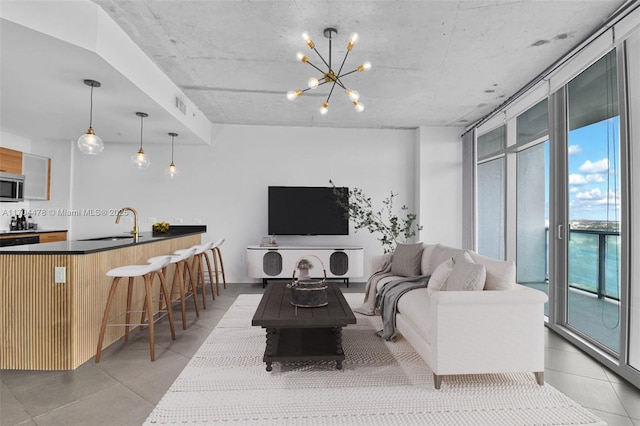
point(594, 180)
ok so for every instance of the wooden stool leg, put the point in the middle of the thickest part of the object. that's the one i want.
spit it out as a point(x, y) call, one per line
point(194, 282)
point(127, 318)
point(224, 278)
point(216, 269)
point(105, 317)
point(213, 292)
point(147, 302)
point(163, 287)
point(200, 276)
point(185, 267)
point(177, 278)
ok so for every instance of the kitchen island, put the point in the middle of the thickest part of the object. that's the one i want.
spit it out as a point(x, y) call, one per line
point(53, 295)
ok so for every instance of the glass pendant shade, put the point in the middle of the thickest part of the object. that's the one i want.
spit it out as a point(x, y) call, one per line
point(90, 143)
point(140, 159)
point(172, 171)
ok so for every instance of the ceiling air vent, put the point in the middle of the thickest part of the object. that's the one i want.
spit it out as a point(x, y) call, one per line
point(181, 106)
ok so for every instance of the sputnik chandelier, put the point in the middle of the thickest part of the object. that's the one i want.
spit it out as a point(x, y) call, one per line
point(330, 75)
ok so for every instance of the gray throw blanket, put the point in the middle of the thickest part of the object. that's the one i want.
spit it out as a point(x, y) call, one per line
point(369, 305)
point(389, 296)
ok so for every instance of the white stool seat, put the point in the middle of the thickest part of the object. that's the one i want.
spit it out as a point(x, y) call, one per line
point(139, 270)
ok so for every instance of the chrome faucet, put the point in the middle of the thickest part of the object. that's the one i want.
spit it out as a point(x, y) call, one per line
point(134, 231)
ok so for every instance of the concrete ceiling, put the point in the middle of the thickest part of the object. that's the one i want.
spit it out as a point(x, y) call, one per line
point(435, 63)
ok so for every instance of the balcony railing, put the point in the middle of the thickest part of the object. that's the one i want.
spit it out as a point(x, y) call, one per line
point(594, 262)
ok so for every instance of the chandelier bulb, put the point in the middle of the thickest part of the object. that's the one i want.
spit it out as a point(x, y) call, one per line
point(302, 57)
point(358, 106)
point(307, 39)
point(353, 95)
point(364, 67)
point(313, 83)
point(353, 39)
point(324, 109)
point(293, 94)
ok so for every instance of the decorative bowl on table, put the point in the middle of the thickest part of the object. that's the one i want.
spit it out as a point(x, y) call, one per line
point(160, 227)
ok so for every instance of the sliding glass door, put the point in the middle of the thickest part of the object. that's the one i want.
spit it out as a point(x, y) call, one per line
point(593, 152)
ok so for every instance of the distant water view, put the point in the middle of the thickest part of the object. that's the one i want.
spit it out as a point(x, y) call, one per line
point(585, 239)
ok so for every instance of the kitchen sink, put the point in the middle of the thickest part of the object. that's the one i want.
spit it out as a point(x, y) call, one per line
point(111, 238)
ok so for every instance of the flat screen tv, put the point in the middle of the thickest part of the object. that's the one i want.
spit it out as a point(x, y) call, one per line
point(305, 210)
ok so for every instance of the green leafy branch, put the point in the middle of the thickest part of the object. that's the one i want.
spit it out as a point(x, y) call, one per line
point(392, 229)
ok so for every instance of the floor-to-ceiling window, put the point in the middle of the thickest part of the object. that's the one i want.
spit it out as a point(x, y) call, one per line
point(532, 197)
point(560, 195)
point(491, 193)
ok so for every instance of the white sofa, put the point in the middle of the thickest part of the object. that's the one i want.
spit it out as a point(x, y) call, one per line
point(496, 330)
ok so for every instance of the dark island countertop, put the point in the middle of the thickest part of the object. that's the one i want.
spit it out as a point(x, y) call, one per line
point(29, 232)
point(94, 245)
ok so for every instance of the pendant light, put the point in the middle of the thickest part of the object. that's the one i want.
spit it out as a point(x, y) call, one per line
point(90, 143)
point(172, 170)
point(139, 159)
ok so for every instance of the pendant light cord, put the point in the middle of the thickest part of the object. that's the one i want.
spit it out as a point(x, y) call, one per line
point(141, 126)
point(91, 108)
point(172, 137)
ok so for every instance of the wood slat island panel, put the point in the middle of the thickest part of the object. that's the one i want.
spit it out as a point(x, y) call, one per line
point(54, 326)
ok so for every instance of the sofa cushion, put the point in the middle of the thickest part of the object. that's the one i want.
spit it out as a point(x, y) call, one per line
point(415, 307)
point(501, 274)
point(425, 264)
point(466, 275)
point(439, 277)
point(440, 254)
point(406, 260)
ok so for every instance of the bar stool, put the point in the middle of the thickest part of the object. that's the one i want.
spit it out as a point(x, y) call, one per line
point(217, 257)
point(182, 266)
point(197, 264)
point(147, 272)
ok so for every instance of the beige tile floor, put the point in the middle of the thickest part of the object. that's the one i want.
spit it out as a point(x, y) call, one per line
point(125, 386)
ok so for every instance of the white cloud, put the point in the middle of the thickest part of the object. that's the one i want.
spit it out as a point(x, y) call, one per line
point(578, 179)
point(574, 149)
point(599, 166)
point(592, 194)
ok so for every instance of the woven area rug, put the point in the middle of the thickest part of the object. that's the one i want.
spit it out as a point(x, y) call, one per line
point(381, 383)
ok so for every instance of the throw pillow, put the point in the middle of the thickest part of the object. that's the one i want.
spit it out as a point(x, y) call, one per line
point(406, 260)
point(466, 275)
point(439, 277)
point(501, 274)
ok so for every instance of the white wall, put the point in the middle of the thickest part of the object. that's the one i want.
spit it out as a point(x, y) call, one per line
point(440, 185)
point(225, 185)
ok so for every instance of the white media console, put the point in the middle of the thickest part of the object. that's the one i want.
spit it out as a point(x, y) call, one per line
point(280, 261)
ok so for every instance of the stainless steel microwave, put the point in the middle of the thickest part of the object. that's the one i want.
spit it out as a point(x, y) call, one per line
point(11, 187)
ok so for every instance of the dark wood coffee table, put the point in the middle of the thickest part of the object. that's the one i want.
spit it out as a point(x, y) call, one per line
point(302, 334)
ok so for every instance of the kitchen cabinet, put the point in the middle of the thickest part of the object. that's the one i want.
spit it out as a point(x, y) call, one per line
point(37, 177)
point(10, 161)
point(51, 237)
